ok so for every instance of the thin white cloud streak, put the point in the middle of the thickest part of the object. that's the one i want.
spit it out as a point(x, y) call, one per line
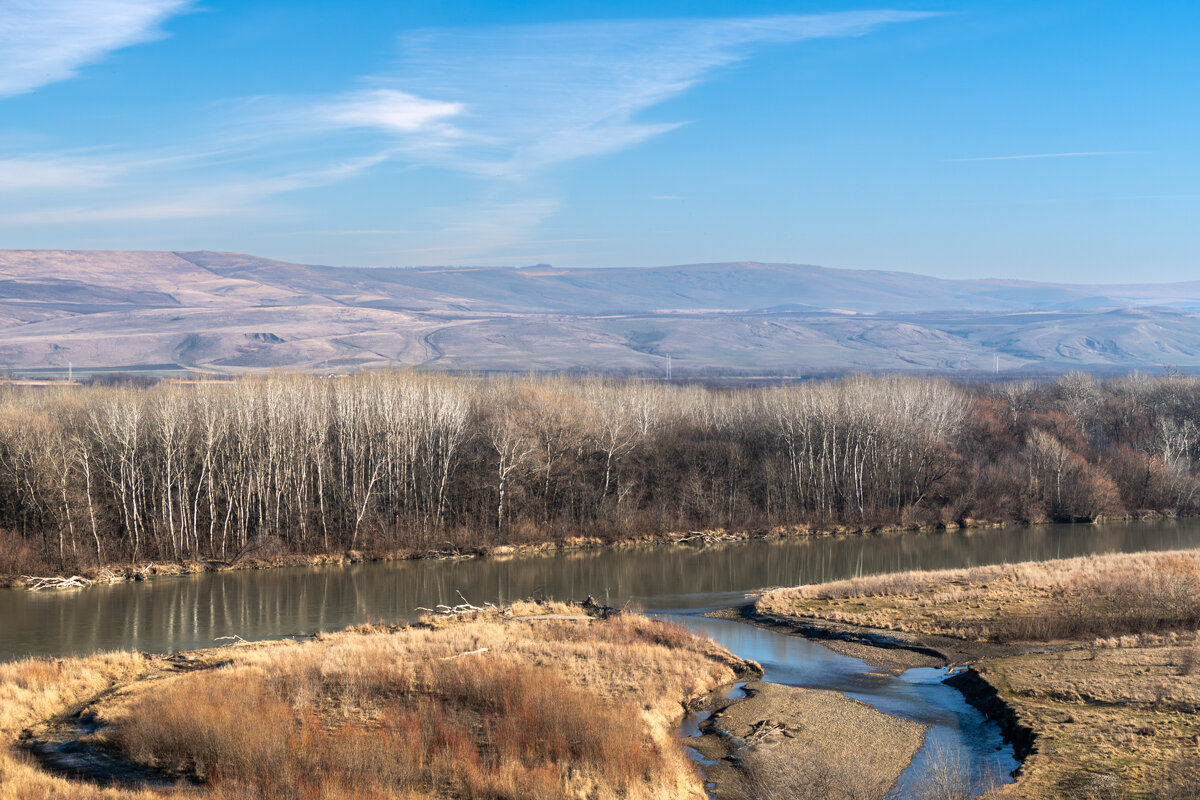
point(471, 234)
point(46, 41)
point(56, 172)
point(531, 97)
point(158, 210)
point(365, 232)
point(390, 110)
point(503, 104)
point(213, 198)
point(1046, 155)
point(494, 226)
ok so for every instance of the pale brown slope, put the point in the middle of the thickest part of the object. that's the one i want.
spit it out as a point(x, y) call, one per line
point(230, 311)
point(135, 274)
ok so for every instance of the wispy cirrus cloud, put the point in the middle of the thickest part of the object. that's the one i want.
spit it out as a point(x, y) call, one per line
point(530, 97)
point(188, 199)
point(45, 41)
point(34, 173)
point(1029, 156)
point(504, 105)
point(390, 110)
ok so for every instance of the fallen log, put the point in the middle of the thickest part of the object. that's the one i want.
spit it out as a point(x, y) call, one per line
point(468, 653)
point(461, 609)
point(35, 584)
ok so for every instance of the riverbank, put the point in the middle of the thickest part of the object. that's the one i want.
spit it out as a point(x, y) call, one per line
point(119, 573)
point(531, 701)
point(1091, 665)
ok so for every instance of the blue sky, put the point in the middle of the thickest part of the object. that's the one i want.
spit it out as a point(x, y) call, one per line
point(1042, 140)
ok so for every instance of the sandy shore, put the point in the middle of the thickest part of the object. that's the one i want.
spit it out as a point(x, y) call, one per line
point(786, 742)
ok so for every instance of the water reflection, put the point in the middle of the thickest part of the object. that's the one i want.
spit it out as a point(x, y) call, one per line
point(955, 730)
point(180, 613)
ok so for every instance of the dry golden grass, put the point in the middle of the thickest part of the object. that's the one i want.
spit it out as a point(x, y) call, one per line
point(1094, 596)
point(35, 689)
point(492, 707)
point(1122, 720)
point(1115, 704)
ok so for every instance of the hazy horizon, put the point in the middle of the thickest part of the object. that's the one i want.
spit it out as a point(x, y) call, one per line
point(646, 267)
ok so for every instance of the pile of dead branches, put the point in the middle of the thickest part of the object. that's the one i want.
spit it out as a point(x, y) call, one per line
point(464, 608)
point(36, 584)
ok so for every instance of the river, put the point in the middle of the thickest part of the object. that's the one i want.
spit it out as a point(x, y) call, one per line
point(179, 613)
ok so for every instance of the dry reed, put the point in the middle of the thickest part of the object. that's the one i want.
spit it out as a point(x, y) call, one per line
point(493, 707)
point(1090, 597)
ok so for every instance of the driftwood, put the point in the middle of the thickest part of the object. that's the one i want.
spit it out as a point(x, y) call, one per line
point(233, 639)
point(468, 653)
point(465, 607)
point(35, 584)
point(762, 729)
point(590, 607)
point(110, 575)
point(595, 608)
point(452, 552)
point(707, 537)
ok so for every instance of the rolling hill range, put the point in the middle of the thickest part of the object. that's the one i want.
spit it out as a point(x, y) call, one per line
point(230, 312)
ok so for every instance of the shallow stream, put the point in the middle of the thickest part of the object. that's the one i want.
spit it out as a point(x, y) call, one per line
point(956, 731)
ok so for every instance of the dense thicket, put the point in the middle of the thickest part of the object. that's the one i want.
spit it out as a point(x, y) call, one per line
point(406, 461)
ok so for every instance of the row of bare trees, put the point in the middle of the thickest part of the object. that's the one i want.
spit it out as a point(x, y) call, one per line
point(398, 460)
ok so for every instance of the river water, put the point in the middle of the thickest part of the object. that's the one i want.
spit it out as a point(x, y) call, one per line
point(179, 613)
point(956, 732)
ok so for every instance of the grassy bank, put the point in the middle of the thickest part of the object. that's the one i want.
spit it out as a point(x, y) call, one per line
point(1098, 656)
point(536, 702)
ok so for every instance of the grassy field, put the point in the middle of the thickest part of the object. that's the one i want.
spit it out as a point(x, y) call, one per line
point(541, 702)
point(1099, 656)
point(1079, 598)
point(1111, 722)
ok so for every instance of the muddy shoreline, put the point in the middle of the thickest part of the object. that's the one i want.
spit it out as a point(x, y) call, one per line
point(778, 739)
point(894, 652)
point(121, 573)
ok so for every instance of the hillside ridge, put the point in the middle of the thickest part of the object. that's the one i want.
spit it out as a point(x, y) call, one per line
point(232, 312)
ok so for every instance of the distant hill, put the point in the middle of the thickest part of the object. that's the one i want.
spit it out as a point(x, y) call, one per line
point(234, 312)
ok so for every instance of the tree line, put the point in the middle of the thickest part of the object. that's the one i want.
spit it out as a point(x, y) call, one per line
point(405, 461)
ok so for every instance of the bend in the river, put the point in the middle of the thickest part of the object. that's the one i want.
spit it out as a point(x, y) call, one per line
point(179, 613)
